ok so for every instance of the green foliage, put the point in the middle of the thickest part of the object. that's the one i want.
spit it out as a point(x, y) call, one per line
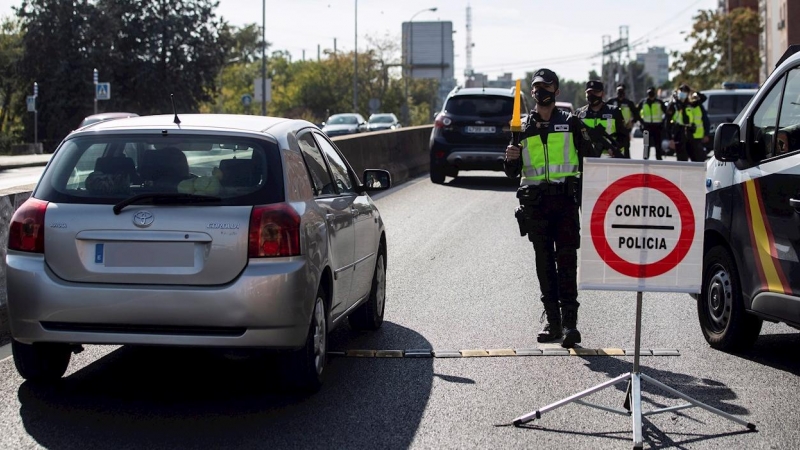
point(706, 64)
point(11, 88)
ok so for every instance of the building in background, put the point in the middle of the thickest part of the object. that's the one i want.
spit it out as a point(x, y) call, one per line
point(478, 79)
point(781, 20)
point(656, 64)
point(428, 53)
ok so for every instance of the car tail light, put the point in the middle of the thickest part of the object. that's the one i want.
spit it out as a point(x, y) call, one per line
point(442, 121)
point(274, 231)
point(26, 232)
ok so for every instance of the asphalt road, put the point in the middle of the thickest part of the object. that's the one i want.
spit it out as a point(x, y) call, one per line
point(459, 277)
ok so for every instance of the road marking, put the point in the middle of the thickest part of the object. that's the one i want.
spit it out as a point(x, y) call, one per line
point(544, 350)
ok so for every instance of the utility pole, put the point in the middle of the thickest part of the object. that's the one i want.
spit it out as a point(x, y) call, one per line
point(355, 65)
point(95, 78)
point(263, 58)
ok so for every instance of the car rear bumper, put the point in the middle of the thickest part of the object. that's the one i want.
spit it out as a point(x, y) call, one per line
point(464, 157)
point(268, 305)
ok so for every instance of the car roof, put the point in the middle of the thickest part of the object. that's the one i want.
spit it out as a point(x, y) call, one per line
point(205, 122)
point(111, 115)
point(729, 91)
point(506, 92)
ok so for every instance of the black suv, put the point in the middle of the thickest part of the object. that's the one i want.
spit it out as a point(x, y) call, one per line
point(472, 131)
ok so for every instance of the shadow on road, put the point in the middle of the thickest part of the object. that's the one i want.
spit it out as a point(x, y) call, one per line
point(138, 397)
point(498, 183)
point(775, 350)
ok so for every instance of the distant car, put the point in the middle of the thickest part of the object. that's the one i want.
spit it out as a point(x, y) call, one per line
point(105, 116)
point(472, 131)
point(383, 121)
point(138, 234)
point(346, 123)
point(565, 106)
point(723, 105)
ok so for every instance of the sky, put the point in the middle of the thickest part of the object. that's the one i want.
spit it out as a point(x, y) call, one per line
point(515, 36)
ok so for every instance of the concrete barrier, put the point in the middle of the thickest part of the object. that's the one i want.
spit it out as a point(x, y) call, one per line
point(404, 153)
point(27, 149)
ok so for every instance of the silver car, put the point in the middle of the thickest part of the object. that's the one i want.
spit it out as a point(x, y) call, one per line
point(217, 231)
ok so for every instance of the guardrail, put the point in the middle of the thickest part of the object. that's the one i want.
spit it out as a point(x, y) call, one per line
point(404, 153)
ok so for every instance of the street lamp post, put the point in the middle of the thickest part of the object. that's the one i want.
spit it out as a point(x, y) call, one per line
point(263, 58)
point(410, 65)
point(95, 77)
point(355, 65)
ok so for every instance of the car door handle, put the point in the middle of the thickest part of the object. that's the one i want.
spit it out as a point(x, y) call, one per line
point(795, 203)
point(354, 212)
point(330, 217)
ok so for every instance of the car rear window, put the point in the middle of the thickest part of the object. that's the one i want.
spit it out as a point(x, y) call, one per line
point(480, 105)
point(110, 168)
point(728, 103)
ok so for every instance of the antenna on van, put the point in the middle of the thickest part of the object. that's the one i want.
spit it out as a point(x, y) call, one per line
point(176, 120)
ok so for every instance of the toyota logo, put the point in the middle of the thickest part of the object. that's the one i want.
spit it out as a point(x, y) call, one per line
point(143, 219)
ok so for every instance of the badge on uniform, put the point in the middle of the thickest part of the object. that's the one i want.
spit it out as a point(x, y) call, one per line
point(607, 116)
point(561, 127)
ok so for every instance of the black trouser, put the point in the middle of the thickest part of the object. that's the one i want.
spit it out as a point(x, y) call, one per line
point(689, 148)
point(553, 225)
point(654, 136)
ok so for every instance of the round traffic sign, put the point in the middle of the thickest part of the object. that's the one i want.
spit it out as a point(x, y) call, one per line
point(686, 226)
point(247, 99)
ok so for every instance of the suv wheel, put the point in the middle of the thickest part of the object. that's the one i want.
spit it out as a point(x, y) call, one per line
point(725, 323)
point(306, 367)
point(42, 362)
point(437, 175)
point(369, 316)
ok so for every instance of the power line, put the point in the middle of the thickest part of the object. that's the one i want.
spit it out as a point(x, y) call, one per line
point(643, 37)
point(537, 63)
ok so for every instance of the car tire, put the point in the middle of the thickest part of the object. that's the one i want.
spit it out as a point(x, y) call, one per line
point(369, 316)
point(305, 368)
point(453, 173)
point(437, 175)
point(42, 362)
point(725, 323)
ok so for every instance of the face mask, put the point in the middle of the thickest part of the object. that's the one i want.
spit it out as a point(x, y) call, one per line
point(621, 94)
point(682, 95)
point(544, 97)
point(594, 100)
point(651, 96)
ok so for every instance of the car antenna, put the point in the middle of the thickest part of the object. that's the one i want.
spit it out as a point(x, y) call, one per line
point(176, 120)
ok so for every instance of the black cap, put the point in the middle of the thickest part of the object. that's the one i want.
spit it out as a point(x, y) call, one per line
point(545, 76)
point(620, 87)
point(685, 87)
point(651, 90)
point(594, 85)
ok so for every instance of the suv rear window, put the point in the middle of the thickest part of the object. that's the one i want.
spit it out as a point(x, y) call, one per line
point(727, 103)
point(109, 168)
point(480, 105)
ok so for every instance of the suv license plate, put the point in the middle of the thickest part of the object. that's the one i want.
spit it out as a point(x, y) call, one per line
point(480, 129)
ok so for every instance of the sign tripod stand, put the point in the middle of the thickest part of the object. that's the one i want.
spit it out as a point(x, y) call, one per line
point(633, 396)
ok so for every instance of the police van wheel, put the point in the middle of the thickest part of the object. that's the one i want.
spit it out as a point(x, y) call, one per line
point(725, 323)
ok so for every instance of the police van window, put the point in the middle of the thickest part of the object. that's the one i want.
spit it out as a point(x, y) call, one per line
point(787, 138)
point(765, 119)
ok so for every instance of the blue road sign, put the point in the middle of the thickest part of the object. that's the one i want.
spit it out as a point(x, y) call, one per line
point(247, 99)
point(103, 91)
point(31, 101)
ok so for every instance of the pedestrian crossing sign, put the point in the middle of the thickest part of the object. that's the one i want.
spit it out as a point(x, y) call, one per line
point(103, 91)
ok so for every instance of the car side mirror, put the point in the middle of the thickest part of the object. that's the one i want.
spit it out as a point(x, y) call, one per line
point(377, 180)
point(727, 143)
point(323, 124)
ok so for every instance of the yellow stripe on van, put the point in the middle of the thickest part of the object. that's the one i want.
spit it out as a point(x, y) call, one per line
point(763, 241)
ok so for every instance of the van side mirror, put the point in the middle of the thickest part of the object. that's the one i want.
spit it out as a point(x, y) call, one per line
point(727, 143)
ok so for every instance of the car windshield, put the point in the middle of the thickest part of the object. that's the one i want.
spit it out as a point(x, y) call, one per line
point(107, 169)
point(480, 105)
point(343, 120)
point(381, 119)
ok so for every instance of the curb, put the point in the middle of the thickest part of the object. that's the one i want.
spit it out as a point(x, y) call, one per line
point(5, 352)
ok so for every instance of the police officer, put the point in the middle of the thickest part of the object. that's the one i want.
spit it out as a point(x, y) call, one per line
point(630, 114)
point(651, 111)
point(548, 160)
point(686, 136)
point(605, 119)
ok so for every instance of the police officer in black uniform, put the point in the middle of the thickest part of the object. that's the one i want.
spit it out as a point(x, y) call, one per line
point(605, 120)
point(548, 160)
point(651, 111)
point(630, 114)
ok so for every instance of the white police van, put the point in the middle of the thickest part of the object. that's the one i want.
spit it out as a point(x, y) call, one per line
point(751, 262)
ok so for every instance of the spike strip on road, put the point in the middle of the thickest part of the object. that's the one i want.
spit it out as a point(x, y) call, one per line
point(554, 350)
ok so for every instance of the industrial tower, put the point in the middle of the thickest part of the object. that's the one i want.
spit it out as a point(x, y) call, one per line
point(468, 70)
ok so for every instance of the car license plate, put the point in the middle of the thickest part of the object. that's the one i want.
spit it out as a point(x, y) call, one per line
point(480, 129)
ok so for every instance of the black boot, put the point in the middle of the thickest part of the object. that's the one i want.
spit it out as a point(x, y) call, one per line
point(571, 334)
point(552, 329)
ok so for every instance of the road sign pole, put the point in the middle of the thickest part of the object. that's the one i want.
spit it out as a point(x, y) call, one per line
point(35, 114)
point(95, 78)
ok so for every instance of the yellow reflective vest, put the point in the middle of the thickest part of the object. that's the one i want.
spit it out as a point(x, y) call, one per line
point(652, 112)
point(549, 162)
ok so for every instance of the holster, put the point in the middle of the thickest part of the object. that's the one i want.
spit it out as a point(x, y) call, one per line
point(519, 214)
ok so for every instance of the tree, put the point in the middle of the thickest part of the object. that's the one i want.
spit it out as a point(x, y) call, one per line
point(720, 39)
point(11, 87)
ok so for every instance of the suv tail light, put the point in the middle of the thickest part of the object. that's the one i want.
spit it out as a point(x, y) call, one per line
point(274, 231)
point(26, 232)
point(442, 121)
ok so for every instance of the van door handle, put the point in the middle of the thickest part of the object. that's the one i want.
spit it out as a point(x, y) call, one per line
point(795, 204)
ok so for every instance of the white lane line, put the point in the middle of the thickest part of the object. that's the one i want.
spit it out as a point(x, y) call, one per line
point(5, 352)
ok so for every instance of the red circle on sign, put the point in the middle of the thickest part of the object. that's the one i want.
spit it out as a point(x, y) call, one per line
point(597, 225)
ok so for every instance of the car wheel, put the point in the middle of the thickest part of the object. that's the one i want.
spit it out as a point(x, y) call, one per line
point(42, 362)
point(369, 316)
point(725, 323)
point(437, 175)
point(306, 367)
point(453, 173)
